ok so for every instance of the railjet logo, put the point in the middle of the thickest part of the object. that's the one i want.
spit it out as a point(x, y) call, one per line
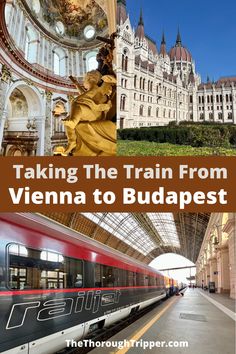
point(46, 310)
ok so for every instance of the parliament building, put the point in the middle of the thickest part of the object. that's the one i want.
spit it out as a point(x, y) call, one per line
point(157, 86)
point(42, 43)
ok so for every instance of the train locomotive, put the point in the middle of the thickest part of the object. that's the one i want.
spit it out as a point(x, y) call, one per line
point(58, 285)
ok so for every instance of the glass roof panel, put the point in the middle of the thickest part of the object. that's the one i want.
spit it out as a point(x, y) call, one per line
point(125, 227)
point(165, 225)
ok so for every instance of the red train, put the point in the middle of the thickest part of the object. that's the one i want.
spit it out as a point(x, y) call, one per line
point(56, 285)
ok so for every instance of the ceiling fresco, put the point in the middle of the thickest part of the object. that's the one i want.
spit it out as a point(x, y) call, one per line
point(69, 19)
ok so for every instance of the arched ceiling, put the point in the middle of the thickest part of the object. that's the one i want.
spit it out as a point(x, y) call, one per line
point(143, 236)
point(66, 20)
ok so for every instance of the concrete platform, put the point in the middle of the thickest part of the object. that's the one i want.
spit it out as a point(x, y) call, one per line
point(207, 327)
point(223, 299)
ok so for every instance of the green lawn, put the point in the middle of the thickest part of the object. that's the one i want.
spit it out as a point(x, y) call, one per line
point(145, 148)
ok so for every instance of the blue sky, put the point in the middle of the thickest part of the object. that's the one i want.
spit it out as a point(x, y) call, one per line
point(208, 30)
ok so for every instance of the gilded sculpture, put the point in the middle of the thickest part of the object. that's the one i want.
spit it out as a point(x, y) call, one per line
point(90, 126)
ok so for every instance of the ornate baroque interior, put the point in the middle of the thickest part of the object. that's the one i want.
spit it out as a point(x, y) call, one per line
point(42, 43)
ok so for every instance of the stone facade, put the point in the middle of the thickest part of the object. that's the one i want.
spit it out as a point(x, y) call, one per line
point(157, 87)
point(217, 257)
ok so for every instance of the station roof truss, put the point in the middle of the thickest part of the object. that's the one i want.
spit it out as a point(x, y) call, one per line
point(142, 236)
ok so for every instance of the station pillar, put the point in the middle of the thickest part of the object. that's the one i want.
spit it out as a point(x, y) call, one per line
point(223, 270)
point(230, 229)
point(213, 271)
point(207, 274)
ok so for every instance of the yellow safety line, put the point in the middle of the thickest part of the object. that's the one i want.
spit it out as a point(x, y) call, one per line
point(140, 333)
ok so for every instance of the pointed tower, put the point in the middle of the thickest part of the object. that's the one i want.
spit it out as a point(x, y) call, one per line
point(140, 29)
point(179, 52)
point(191, 76)
point(178, 39)
point(121, 12)
point(163, 51)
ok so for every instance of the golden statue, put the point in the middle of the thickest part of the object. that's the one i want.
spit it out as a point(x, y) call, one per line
point(90, 127)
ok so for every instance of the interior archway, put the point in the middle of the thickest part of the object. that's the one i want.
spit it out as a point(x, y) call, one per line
point(170, 261)
point(24, 119)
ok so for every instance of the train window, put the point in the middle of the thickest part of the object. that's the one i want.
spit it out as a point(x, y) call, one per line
point(35, 269)
point(51, 257)
point(98, 275)
point(131, 278)
point(18, 250)
point(108, 276)
point(140, 279)
point(151, 280)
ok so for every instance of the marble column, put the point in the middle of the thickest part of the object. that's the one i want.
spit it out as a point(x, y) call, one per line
point(48, 125)
point(4, 85)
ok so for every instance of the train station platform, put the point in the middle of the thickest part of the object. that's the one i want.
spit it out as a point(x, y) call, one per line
point(198, 322)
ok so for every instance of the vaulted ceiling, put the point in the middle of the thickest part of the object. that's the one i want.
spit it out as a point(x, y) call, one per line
point(143, 236)
point(67, 20)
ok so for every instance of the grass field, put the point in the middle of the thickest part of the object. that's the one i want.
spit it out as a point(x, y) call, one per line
point(145, 148)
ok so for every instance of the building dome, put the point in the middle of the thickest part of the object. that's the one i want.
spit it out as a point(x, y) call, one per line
point(73, 23)
point(179, 52)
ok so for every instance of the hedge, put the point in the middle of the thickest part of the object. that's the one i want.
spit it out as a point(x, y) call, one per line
point(196, 135)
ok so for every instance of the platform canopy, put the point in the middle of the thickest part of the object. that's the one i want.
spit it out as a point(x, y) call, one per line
point(143, 236)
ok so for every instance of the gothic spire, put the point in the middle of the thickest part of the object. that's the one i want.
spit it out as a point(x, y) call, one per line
point(163, 45)
point(140, 29)
point(121, 11)
point(141, 23)
point(163, 41)
point(178, 39)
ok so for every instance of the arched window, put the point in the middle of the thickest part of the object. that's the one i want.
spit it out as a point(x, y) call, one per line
point(8, 10)
point(140, 83)
point(125, 60)
point(59, 62)
point(157, 112)
point(144, 84)
point(31, 45)
point(56, 64)
point(135, 81)
point(202, 116)
point(149, 111)
point(151, 86)
point(141, 111)
point(91, 61)
point(27, 46)
point(122, 102)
